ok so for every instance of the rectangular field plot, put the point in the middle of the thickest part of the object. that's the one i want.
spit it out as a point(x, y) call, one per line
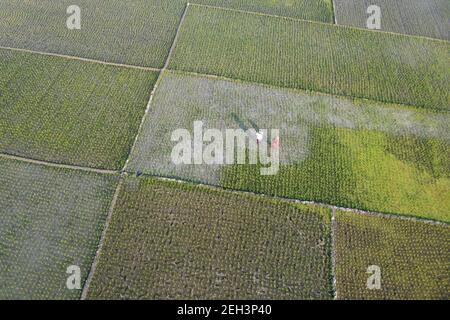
point(351, 153)
point(137, 32)
point(428, 18)
point(68, 111)
point(176, 241)
point(413, 258)
point(314, 56)
point(50, 219)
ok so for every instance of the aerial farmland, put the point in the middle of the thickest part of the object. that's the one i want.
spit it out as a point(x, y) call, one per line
point(225, 150)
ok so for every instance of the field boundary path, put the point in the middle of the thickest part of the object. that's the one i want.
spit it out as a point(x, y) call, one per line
point(307, 202)
point(102, 239)
point(124, 173)
point(295, 90)
point(69, 57)
point(57, 165)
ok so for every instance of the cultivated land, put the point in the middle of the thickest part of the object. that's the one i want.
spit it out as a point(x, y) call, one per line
point(351, 153)
point(413, 257)
point(68, 111)
point(137, 32)
point(168, 240)
point(314, 56)
point(165, 239)
point(416, 17)
point(50, 219)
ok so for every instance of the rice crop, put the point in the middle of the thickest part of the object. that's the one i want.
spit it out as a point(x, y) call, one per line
point(314, 56)
point(412, 257)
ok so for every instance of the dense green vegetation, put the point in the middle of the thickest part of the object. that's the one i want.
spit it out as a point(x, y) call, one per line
point(363, 120)
point(361, 169)
point(351, 153)
point(315, 56)
point(413, 257)
point(168, 240)
point(415, 17)
point(50, 219)
point(69, 111)
point(137, 32)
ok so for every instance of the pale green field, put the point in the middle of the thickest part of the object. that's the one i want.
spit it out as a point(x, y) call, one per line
point(50, 219)
point(428, 18)
point(413, 258)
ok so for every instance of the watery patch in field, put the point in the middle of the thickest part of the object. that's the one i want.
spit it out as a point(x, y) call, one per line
point(137, 32)
point(69, 111)
point(415, 17)
point(50, 219)
point(410, 259)
point(352, 153)
point(314, 56)
point(174, 241)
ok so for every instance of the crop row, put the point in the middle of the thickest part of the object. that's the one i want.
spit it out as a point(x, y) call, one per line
point(50, 219)
point(137, 32)
point(415, 17)
point(314, 56)
point(69, 111)
point(171, 240)
point(410, 258)
point(179, 241)
point(175, 241)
